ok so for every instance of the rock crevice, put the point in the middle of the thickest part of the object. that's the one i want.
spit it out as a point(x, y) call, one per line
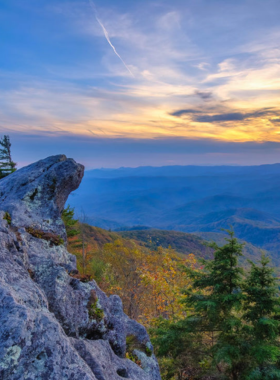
point(52, 326)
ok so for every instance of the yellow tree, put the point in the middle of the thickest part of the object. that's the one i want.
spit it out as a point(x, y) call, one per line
point(121, 274)
point(161, 273)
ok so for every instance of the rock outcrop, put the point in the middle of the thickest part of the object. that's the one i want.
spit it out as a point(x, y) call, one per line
point(52, 326)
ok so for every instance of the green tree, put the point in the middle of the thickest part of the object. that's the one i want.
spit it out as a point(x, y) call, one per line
point(216, 300)
point(182, 352)
point(7, 165)
point(209, 340)
point(262, 314)
point(232, 326)
point(69, 221)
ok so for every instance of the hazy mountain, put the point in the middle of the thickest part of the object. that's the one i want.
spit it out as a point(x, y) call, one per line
point(188, 199)
point(186, 243)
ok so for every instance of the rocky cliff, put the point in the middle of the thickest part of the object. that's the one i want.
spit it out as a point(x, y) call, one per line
point(52, 326)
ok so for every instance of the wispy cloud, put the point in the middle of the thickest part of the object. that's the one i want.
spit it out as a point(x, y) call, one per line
point(182, 112)
point(106, 34)
point(204, 95)
point(233, 116)
point(190, 81)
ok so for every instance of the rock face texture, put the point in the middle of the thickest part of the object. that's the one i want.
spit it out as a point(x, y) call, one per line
point(52, 326)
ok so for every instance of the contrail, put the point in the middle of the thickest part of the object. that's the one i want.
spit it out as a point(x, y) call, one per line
point(107, 37)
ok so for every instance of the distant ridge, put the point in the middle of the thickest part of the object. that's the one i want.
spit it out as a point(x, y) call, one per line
point(177, 170)
point(192, 199)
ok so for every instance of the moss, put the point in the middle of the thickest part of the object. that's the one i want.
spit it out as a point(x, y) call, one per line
point(94, 311)
point(49, 236)
point(148, 351)
point(133, 344)
point(133, 358)
point(7, 217)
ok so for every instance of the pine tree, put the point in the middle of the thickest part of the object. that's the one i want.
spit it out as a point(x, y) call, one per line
point(7, 166)
point(232, 326)
point(217, 300)
point(209, 339)
point(262, 313)
point(69, 221)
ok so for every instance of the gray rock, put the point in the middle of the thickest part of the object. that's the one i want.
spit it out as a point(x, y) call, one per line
point(52, 326)
point(98, 353)
point(35, 195)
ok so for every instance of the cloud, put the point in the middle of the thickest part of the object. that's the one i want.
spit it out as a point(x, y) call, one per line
point(204, 95)
point(226, 116)
point(130, 111)
point(227, 65)
point(182, 112)
point(234, 116)
point(89, 93)
point(222, 117)
point(153, 40)
point(203, 66)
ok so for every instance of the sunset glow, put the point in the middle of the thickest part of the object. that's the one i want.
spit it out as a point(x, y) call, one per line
point(191, 71)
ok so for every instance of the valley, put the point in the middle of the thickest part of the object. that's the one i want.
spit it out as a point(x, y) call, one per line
point(191, 199)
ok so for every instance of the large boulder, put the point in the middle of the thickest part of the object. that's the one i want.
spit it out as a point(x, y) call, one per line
point(35, 195)
point(52, 325)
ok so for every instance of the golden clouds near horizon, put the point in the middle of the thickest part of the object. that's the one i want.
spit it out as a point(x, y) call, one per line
point(161, 124)
point(240, 125)
point(236, 105)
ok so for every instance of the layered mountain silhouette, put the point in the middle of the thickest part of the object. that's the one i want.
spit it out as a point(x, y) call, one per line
point(194, 199)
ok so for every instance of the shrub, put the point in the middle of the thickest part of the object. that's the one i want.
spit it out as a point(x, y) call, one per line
point(94, 311)
point(7, 217)
point(48, 236)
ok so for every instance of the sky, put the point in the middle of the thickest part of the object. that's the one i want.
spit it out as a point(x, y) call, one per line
point(128, 83)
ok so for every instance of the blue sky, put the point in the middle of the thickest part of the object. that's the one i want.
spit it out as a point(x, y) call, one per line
point(189, 82)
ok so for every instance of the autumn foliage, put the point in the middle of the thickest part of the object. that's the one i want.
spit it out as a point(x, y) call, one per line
point(212, 320)
point(149, 282)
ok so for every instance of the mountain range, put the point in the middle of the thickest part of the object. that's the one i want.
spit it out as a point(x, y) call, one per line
point(196, 199)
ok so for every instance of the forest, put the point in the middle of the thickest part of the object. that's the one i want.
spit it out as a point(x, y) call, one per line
point(209, 315)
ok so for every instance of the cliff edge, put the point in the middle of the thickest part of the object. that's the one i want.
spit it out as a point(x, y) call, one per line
point(52, 326)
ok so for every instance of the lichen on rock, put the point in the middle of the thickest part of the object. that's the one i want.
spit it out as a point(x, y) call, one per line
point(52, 325)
